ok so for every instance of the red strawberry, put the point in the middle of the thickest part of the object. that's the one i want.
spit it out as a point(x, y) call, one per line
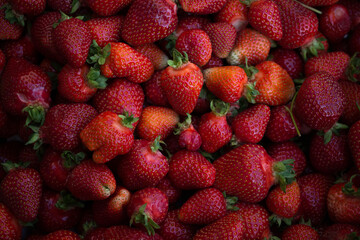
point(340, 231)
point(11, 29)
point(318, 46)
point(61, 234)
point(248, 172)
point(300, 231)
point(354, 43)
point(191, 170)
point(300, 24)
point(63, 124)
point(214, 130)
point(10, 227)
point(21, 192)
point(182, 73)
point(58, 211)
point(334, 63)
point(144, 166)
point(108, 135)
point(172, 228)
point(214, 62)
point(249, 125)
point(153, 91)
point(204, 207)
point(235, 13)
point(2, 60)
point(264, 16)
point(91, 181)
point(155, 54)
point(335, 22)
point(28, 7)
point(107, 8)
point(353, 142)
point(148, 21)
point(148, 207)
point(318, 3)
point(226, 83)
point(22, 48)
point(320, 101)
point(173, 193)
point(72, 38)
point(190, 22)
point(66, 6)
point(202, 7)
point(353, 8)
point(289, 60)
point(112, 210)
point(250, 45)
point(227, 227)
point(189, 138)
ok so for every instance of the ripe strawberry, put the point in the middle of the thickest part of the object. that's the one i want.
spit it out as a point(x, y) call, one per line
point(108, 135)
point(111, 211)
point(354, 43)
point(214, 62)
point(61, 234)
point(58, 211)
point(249, 125)
point(222, 36)
point(149, 21)
point(107, 8)
point(264, 16)
point(226, 83)
point(300, 231)
point(202, 7)
point(106, 30)
point(10, 227)
point(204, 207)
point(335, 22)
point(353, 8)
point(11, 29)
point(72, 38)
point(334, 63)
point(274, 85)
point(148, 207)
point(320, 101)
point(21, 192)
point(155, 54)
point(318, 3)
point(235, 13)
point(300, 24)
point(91, 181)
point(29, 8)
point(248, 172)
point(214, 130)
point(227, 227)
point(22, 48)
point(153, 91)
point(173, 193)
point(2, 60)
point(187, 22)
point(65, 6)
point(172, 228)
point(189, 138)
point(181, 73)
point(339, 231)
point(144, 166)
point(191, 170)
point(353, 142)
point(250, 45)
point(289, 60)
point(318, 46)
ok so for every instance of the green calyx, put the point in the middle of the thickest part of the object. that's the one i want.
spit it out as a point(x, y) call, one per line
point(353, 236)
point(72, 159)
point(308, 222)
point(353, 70)
point(181, 126)
point(348, 188)
point(95, 79)
point(178, 59)
point(219, 108)
point(65, 17)
point(75, 5)
point(12, 16)
point(87, 226)
point(249, 70)
point(36, 140)
point(128, 120)
point(290, 111)
point(284, 173)
point(272, 238)
point(171, 39)
point(67, 202)
point(8, 165)
point(36, 116)
point(230, 202)
point(251, 92)
point(141, 217)
point(156, 144)
point(312, 49)
point(334, 130)
point(275, 219)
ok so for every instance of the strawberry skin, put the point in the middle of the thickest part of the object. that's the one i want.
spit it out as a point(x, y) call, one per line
point(153, 91)
point(300, 231)
point(108, 7)
point(315, 3)
point(289, 60)
point(202, 7)
point(172, 228)
point(155, 54)
point(148, 21)
point(10, 227)
point(61, 234)
point(339, 231)
point(173, 193)
point(353, 142)
point(235, 13)
point(8, 30)
point(28, 7)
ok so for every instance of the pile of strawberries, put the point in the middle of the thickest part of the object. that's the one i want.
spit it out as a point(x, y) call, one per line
point(188, 119)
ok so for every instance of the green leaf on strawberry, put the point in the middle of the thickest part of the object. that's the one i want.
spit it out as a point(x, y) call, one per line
point(143, 218)
point(284, 173)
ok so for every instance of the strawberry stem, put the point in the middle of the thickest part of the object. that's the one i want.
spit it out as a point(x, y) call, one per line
point(128, 120)
point(348, 188)
point(143, 218)
point(308, 7)
point(181, 126)
point(156, 145)
point(219, 108)
point(310, 50)
point(75, 5)
point(292, 115)
point(178, 59)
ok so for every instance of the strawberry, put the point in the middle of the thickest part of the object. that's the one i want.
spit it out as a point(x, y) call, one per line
point(91, 181)
point(222, 36)
point(339, 231)
point(105, 30)
point(320, 101)
point(11, 28)
point(10, 227)
point(249, 125)
point(334, 63)
point(155, 54)
point(2, 60)
point(142, 23)
point(202, 7)
point(29, 8)
point(153, 91)
point(108, 135)
point(144, 166)
point(353, 142)
point(156, 121)
point(300, 24)
point(273, 84)
point(61, 234)
point(173, 193)
point(21, 192)
point(353, 8)
point(111, 211)
point(125, 61)
point(235, 13)
point(300, 231)
point(72, 37)
point(172, 228)
point(335, 22)
point(250, 45)
point(204, 207)
point(190, 22)
point(354, 43)
point(213, 62)
point(289, 60)
point(227, 227)
point(22, 48)
point(189, 138)
point(58, 211)
point(226, 83)
point(214, 130)
point(248, 172)
point(66, 6)
point(148, 207)
point(264, 16)
point(63, 124)
point(181, 73)
point(107, 8)
point(318, 3)
point(191, 170)
point(318, 46)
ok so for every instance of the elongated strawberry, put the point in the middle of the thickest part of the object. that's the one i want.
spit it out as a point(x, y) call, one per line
point(202, 7)
point(107, 8)
point(300, 231)
point(289, 60)
point(108, 135)
point(11, 228)
point(235, 13)
point(353, 142)
point(155, 54)
point(172, 228)
point(149, 21)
